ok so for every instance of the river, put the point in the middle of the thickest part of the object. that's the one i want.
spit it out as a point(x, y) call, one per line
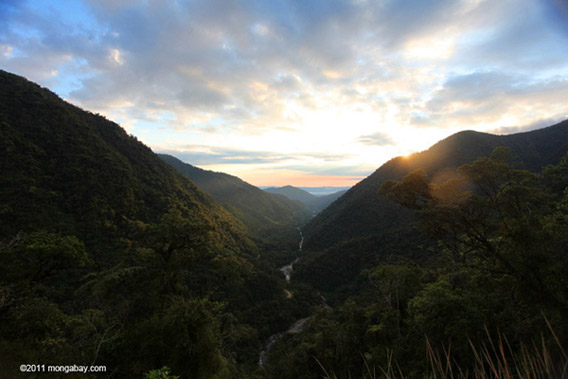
point(287, 270)
point(298, 325)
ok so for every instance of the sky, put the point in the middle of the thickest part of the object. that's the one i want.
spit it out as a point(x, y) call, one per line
point(306, 92)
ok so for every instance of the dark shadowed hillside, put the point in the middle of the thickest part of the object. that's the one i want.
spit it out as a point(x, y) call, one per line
point(324, 201)
point(67, 170)
point(361, 227)
point(314, 203)
point(264, 214)
point(362, 213)
point(110, 256)
point(293, 193)
point(484, 290)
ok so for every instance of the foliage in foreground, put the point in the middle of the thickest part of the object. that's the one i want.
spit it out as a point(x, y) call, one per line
point(174, 298)
point(491, 361)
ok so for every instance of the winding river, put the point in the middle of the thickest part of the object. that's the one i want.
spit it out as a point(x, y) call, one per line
point(287, 270)
point(298, 325)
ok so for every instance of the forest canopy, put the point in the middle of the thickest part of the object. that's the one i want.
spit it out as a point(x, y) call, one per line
point(495, 278)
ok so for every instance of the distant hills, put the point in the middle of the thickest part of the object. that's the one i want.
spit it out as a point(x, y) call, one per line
point(314, 203)
point(322, 191)
point(262, 212)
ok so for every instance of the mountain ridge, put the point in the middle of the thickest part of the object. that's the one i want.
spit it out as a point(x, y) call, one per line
point(362, 227)
point(263, 213)
point(535, 148)
point(99, 236)
point(313, 202)
point(69, 167)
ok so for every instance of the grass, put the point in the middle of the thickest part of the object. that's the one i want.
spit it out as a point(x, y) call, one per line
point(492, 359)
point(499, 360)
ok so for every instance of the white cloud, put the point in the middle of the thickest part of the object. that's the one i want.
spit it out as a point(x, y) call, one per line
point(115, 57)
point(6, 50)
point(296, 75)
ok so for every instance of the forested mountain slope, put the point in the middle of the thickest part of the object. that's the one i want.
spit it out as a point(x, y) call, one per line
point(362, 213)
point(324, 201)
point(108, 256)
point(485, 294)
point(264, 214)
point(314, 203)
point(293, 193)
point(64, 169)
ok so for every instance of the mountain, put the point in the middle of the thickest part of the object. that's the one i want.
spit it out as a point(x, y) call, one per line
point(314, 203)
point(418, 287)
point(322, 191)
point(110, 256)
point(293, 193)
point(263, 213)
point(362, 226)
point(362, 212)
point(67, 170)
point(322, 202)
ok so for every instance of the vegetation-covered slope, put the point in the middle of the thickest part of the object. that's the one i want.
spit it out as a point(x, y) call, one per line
point(314, 203)
point(108, 256)
point(324, 201)
point(64, 169)
point(360, 213)
point(360, 229)
point(489, 300)
point(264, 214)
point(293, 193)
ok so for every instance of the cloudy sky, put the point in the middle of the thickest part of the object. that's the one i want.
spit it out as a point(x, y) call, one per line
point(302, 92)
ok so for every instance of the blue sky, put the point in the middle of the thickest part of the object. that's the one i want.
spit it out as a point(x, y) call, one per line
point(306, 93)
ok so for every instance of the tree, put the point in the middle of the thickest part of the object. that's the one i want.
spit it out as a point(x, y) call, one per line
point(502, 230)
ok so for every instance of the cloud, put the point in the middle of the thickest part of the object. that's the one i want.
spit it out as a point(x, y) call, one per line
point(487, 96)
point(376, 139)
point(322, 72)
point(203, 56)
point(513, 36)
point(558, 12)
point(331, 170)
point(525, 128)
point(206, 155)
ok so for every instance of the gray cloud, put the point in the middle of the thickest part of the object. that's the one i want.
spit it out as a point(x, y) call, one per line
point(525, 128)
point(208, 155)
point(216, 40)
point(376, 139)
point(489, 95)
point(203, 57)
point(513, 36)
point(477, 87)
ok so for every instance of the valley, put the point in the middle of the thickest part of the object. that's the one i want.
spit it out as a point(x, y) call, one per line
point(111, 254)
point(287, 269)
